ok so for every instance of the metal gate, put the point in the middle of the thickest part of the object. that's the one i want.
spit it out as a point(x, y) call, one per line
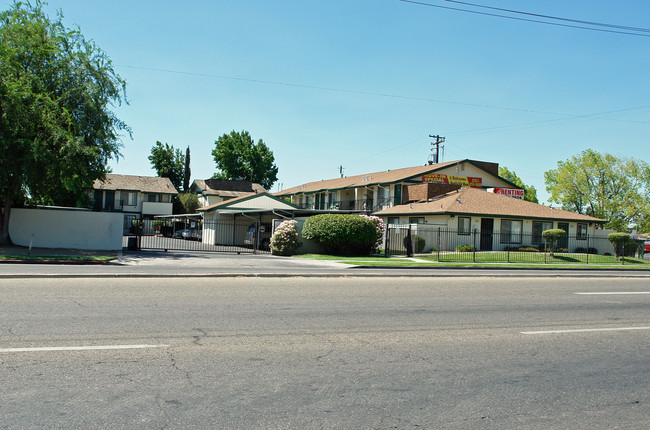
point(235, 236)
point(398, 240)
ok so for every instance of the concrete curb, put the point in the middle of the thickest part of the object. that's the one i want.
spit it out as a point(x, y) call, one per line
point(514, 274)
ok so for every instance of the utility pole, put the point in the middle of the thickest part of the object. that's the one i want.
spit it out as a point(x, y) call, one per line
point(435, 158)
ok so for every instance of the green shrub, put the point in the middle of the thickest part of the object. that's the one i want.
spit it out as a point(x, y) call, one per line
point(418, 243)
point(465, 248)
point(552, 237)
point(342, 234)
point(621, 242)
point(521, 249)
point(581, 250)
point(285, 238)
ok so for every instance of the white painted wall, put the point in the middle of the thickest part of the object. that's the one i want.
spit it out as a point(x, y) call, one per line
point(66, 228)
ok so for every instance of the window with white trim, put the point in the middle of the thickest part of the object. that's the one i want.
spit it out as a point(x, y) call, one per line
point(132, 199)
point(581, 232)
point(464, 225)
point(511, 231)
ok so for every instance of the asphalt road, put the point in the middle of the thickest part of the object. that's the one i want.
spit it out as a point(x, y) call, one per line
point(506, 353)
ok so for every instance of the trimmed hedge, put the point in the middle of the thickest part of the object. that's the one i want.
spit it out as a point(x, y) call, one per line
point(342, 234)
point(418, 243)
point(465, 248)
point(622, 241)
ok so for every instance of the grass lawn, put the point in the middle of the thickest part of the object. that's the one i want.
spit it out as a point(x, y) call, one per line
point(491, 259)
point(56, 258)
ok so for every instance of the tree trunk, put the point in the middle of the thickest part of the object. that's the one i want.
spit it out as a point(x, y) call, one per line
point(5, 240)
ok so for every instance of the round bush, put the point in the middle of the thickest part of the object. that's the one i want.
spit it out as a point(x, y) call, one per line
point(418, 243)
point(342, 234)
point(285, 239)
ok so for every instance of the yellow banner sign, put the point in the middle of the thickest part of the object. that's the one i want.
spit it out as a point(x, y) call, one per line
point(464, 181)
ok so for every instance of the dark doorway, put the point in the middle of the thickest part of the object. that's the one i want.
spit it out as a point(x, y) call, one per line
point(109, 200)
point(487, 228)
point(97, 206)
point(563, 242)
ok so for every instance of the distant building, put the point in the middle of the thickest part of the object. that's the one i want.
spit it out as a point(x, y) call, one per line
point(139, 197)
point(212, 191)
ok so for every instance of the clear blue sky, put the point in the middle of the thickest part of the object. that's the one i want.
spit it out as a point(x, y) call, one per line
point(361, 84)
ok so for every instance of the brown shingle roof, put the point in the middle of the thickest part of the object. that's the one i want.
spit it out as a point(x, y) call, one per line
point(472, 201)
point(384, 177)
point(146, 184)
point(228, 188)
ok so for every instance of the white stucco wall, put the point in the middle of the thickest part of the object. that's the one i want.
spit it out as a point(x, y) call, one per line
point(66, 228)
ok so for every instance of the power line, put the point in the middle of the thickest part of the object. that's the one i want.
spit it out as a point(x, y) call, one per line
point(369, 93)
point(578, 21)
point(628, 33)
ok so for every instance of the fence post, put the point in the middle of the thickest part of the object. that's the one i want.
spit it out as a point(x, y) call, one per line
point(587, 249)
point(474, 248)
point(387, 241)
point(409, 247)
point(544, 250)
point(509, 243)
point(439, 244)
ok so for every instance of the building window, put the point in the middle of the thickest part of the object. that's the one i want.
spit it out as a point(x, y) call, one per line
point(464, 225)
point(511, 231)
point(153, 198)
point(416, 220)
point(581, 232)
point(393, 220)
point(132, 198)
point(538, 228)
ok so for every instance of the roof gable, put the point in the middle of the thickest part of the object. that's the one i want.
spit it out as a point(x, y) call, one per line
point(472, 201)
point(389, 177)
point(145, 184)
point(226, 187)
point(250, 201)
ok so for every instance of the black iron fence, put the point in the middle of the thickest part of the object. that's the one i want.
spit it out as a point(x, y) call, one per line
point(207, 236)
point(445, 245)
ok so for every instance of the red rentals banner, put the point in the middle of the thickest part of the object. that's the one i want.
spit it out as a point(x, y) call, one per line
point(465, 181)
point(510, 192)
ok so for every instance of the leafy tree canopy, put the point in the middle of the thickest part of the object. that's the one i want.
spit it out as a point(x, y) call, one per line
point(188, 203)
point(530, 193)
point(238, 157)
point(602, 185)
point(57, 130)
point(169, 162)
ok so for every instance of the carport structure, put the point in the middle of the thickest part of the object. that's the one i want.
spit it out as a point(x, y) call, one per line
point(241, 225)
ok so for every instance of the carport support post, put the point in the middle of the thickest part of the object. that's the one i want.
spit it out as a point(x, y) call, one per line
point(256, 242)
point(387, 241)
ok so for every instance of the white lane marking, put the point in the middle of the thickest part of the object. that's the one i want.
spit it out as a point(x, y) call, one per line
point(79, 348)
point(613, 293)
point(584, 330)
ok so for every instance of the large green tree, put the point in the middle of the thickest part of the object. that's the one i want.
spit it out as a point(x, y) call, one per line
point(168, 162)
point(238, 157)
point(57, 127)
point(602, 185)
point(530, 193)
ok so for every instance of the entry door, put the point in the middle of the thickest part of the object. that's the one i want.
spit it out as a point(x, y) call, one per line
point(564, 241)
point(398, 195)
point(487, 228)
point(97, 206)
point(109, 200)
